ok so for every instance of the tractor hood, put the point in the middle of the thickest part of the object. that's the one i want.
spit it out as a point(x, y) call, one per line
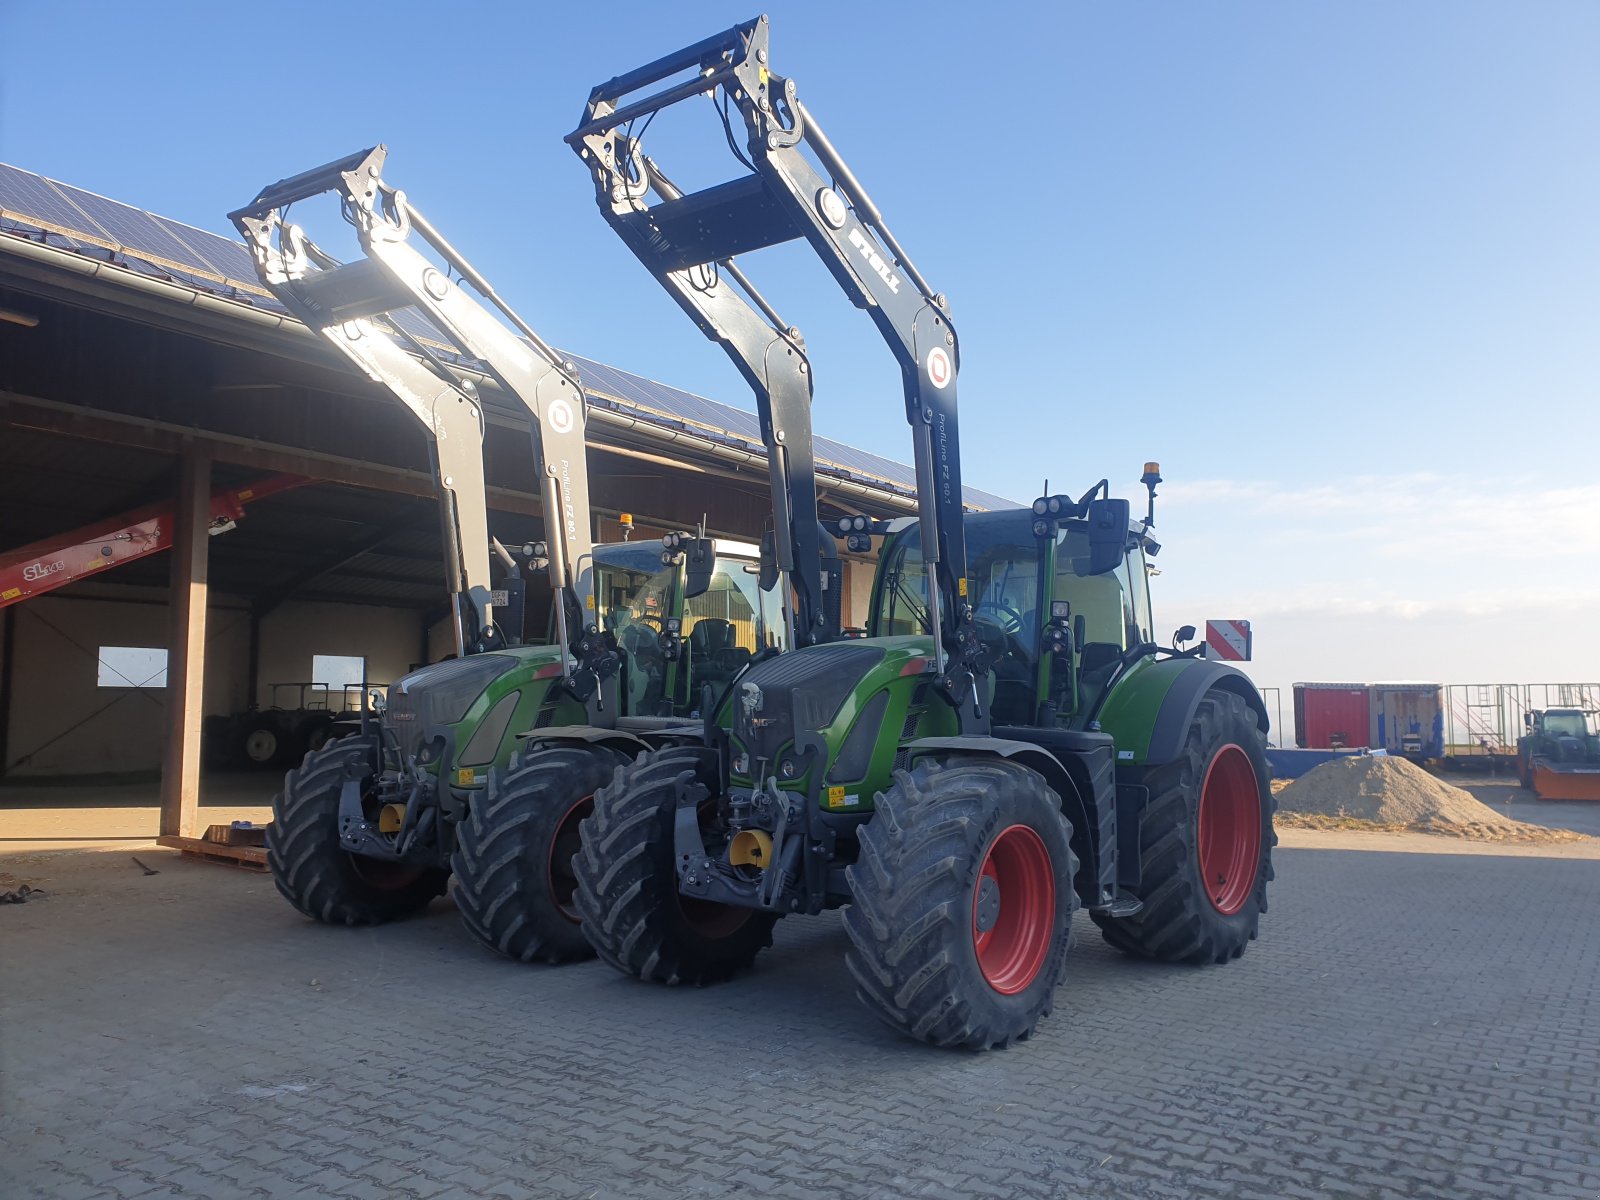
point(445, 693)
point(824, 690)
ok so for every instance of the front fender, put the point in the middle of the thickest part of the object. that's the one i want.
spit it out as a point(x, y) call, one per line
point(1150, 708)
point(1035, 758)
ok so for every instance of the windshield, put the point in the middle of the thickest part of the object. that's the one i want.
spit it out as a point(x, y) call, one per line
point(1565, 724)
point(1002, 580)
point(632, 587)
point(754, 619)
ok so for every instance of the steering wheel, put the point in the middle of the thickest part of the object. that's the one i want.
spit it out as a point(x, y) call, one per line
point(1010, 621)
point(640, 640)
point(999, 627)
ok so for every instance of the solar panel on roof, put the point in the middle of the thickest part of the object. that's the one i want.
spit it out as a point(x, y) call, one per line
point(133, 228)
point(29, 195)
point(186, 237)
point(24, 194)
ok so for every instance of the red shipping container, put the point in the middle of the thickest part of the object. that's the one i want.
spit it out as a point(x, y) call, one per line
point(1332, 716)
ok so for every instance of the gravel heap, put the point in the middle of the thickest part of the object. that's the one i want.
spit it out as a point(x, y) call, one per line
point(1374, 791)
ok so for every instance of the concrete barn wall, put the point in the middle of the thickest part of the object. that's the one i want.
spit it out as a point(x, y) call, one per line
point(389, 639)
point(64, 723)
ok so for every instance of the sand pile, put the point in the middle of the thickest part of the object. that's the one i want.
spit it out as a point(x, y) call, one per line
point(1377, 792)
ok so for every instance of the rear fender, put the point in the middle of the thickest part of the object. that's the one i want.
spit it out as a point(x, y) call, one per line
point(1150, 709)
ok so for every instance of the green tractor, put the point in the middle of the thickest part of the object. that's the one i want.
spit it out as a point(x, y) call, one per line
point(370, 827)
point(1558, 757)
point(1008, 742)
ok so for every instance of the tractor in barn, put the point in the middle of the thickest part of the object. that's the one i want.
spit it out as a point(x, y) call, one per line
point(1008, 742)
point(370, 827)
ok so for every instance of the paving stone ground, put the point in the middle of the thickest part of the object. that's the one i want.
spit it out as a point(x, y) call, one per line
point(1416, 1025)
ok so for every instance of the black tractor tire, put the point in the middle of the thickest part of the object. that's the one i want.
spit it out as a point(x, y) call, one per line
point(513, 860)
point(930, 928)
point(628, 881)
point(312, 870)
point(1180, 921)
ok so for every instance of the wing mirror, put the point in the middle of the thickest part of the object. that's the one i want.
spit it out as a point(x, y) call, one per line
point(1108, 533)
point(700, 562)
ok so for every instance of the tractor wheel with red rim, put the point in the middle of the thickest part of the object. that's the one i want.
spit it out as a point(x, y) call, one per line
point(627, 878)
point(1205, 844)
point(513, 881)
point(310, 866)
point(962, 903)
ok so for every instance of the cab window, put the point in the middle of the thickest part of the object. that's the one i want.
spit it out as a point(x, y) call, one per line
point(1115, 606)
point(727, 625)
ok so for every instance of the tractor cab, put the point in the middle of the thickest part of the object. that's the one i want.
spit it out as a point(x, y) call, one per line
point(1558, 723)
point(678, 631)
point(1054, 622)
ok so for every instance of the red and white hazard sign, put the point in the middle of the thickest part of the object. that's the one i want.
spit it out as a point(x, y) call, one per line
point(1228, 641)
point(940, 369)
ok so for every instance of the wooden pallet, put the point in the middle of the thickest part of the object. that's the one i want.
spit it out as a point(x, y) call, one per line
point(251, 858)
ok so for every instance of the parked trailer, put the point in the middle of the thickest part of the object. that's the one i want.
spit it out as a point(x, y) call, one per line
point(1332, 716)
point(1408, 719)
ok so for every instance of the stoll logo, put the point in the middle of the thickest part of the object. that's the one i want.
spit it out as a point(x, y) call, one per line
point(875, 260)
point(34, 572)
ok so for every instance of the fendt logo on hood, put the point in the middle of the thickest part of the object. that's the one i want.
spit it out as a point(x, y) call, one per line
point(875, 260)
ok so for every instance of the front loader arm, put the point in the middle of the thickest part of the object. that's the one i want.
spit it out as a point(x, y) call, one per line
point(695, 264)
point(799, 187)
point(341, 301)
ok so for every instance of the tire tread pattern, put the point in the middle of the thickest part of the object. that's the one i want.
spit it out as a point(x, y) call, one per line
point(1177, 923)
point(627, 878)
point(909, 921)
point(308, 865)
point(500, 864)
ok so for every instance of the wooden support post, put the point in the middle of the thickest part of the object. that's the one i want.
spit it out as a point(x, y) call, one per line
point(186, 655)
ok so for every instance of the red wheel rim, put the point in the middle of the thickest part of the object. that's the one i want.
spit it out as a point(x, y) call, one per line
point(1014, 910)
point(565, 844)
point(1230, 829)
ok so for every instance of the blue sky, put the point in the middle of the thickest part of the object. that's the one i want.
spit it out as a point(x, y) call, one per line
point(1337, 266)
